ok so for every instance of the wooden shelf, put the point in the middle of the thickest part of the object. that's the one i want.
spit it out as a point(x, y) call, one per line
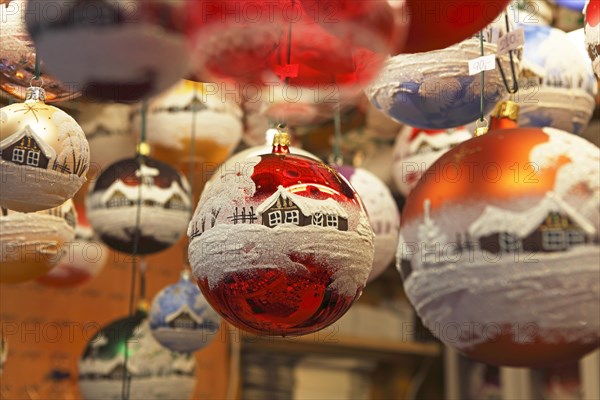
point(340, 345)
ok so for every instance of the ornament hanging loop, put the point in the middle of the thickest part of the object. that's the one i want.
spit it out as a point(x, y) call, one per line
point(481, 130)
point(36, 79)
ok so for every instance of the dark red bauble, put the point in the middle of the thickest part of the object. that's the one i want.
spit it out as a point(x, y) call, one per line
point(280, 244)
point(436, 24)
point(147, 194)
point(267, 43)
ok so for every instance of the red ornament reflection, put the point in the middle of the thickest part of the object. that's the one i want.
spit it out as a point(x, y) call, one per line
point(280, 277)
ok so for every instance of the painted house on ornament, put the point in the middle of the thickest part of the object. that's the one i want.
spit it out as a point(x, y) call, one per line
point(552, 225)
point(27, 148)
point(119, 194)
point(184, 318)
point(284, 207)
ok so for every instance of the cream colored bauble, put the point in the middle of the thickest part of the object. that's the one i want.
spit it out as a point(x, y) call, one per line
point(170, 119)
point(108, 131)
point(32, 243)
point(44, 155)
point(383, 213)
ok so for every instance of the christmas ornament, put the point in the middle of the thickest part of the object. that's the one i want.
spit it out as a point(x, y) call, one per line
point(576, 5)
point(557, 87)
point(112, 205)
point(109, 50)
point(281, 47)
point(280, 244)
point(82, 259)
point(592, 32)
point(44, 155)
point(156, 372)
point(32, 243)
point(170, 122)
point(435, 24)
point(108, 131)
point(498, 247)
point(383, 215)
point(416, 149)
point(434, 90)
point(17, 63)
point(181, 319)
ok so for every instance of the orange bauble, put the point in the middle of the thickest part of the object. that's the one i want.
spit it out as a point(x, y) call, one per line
point(499, 247)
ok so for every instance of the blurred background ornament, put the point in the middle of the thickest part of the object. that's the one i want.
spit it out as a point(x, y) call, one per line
point(383, 214)
point(108, 131)
point(435, 24)
point(18, 59)
point(112, 205)
point(33, 243)
point(500, 235)
point(181, 319)
point(416, 149)
point(189, 105)
point(280, 45)
point(557, 88)
point(280, 244)
point(575, 5)
point(44, 155)
point(109, 51)
point(82, 259)
point(155, 372)
point(592, 32)
point(434, 90)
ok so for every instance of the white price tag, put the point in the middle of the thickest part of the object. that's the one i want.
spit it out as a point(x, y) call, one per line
point(512, 41)
point(485, 63)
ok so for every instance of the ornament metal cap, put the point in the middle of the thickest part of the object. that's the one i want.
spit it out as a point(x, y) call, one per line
point(281, 142)
point(507, 109)
point(35, 93)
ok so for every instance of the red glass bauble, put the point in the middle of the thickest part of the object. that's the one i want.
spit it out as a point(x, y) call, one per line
point(499, 247)
point(436, 24)
point(267, 43)
point(280, 244)
point(592, 32)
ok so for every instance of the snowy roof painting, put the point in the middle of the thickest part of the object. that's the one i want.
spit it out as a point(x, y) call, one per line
point(185, 309)
point(306, 205)
point(46, 149)
point(522, 223)
point(148, 192)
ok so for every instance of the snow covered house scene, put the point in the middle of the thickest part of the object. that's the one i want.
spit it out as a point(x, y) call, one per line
point(551, 226)
point(284, 207)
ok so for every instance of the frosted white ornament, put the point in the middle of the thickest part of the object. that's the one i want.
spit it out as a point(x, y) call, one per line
point(557, 88)
point(44, 155)
point(592, 32)
point(416, 149)
point(383, 213)
point(32, 243)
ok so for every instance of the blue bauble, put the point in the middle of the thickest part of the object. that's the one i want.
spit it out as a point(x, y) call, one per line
point(433, 90)
point(558, 85)
point(181, 319)
point(576, 5)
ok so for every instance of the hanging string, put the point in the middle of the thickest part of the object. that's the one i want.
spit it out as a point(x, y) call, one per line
point(192, 165)
point(337, 142)
point(141, 148)
point(482, 94)
point(37, 73)
point(515, 85)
